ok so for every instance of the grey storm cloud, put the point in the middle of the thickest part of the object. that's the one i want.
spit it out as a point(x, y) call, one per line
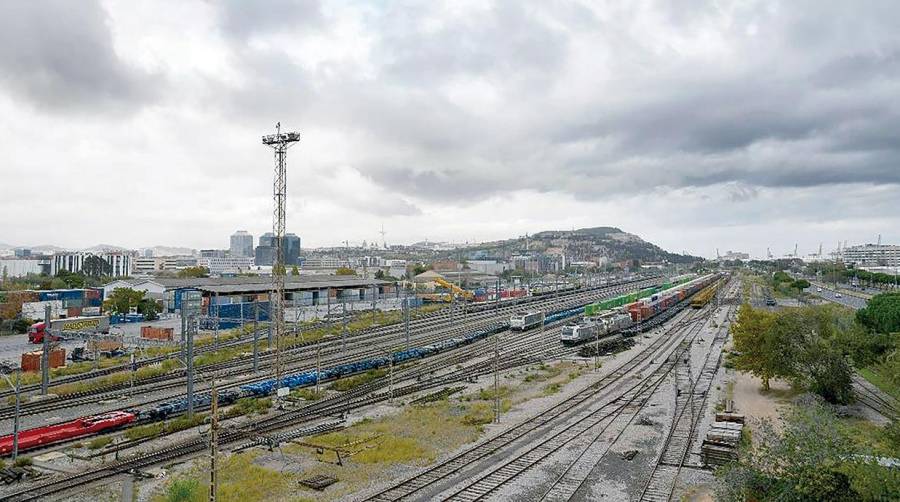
point(59, 55)
point(439, 104)
point(819, 111)
point(243, 19)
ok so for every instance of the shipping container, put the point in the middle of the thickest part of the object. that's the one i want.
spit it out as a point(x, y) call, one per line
point(154, 333)
point(31, 361)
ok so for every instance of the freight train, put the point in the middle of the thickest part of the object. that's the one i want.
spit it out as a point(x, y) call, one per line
point(85, 426)
point(80, 427)
point(606, 318)
point(525, 320)
point(592, 328)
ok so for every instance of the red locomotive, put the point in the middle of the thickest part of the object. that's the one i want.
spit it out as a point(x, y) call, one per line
point(85, 426)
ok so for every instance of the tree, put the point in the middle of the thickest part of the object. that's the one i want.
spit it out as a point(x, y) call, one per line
point(379, 274)
point(882, 314)
point(811, 460)
point(345, 271)
point(800, 285)
point(121, 300)
point(295, 271)
point(762, 350)
point(148, 309)
point(69, 280)
point(94, 266)
point(193, 272)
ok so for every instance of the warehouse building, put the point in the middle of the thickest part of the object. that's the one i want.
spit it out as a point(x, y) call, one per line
point(304, 289)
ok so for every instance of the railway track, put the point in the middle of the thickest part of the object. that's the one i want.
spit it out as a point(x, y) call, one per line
point(690, 406)
point(435, 319)
point(451, 467)
point(332, 355)
point(361, 396)
point(871, 397)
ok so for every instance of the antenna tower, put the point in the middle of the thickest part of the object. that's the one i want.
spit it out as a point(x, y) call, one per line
point(279, 142)
point(383, 241)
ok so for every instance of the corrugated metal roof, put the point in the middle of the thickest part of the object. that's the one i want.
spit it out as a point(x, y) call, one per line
point(290, 284)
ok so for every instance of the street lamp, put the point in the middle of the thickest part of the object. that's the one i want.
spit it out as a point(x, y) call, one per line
point(15, 451)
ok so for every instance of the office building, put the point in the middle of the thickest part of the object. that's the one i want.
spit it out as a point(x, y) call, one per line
point(241, 244)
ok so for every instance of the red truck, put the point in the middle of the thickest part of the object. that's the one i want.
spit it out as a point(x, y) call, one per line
point(97, 324)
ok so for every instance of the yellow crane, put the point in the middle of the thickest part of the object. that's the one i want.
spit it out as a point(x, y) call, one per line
point(468, 295)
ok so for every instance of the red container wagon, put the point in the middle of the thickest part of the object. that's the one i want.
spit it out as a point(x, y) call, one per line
point(85, 426)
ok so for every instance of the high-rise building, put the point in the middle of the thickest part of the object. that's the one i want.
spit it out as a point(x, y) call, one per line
point(291, 249)
point(241, 244)
point(265, 251)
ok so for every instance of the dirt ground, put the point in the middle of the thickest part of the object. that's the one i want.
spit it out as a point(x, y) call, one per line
point(757, 404)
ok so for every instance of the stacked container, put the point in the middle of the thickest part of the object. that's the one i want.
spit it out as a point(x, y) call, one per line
point(154, 333)
point(31, 361)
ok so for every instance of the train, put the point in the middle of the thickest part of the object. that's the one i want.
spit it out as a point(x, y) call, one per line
point(526, 319)
point(616, 315)
point(704, 296)
point(550, 288)
point(90, 425)
point(592, 328)
point(80, 427)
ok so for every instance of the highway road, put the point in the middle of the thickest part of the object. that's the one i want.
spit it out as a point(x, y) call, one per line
point(853, 302)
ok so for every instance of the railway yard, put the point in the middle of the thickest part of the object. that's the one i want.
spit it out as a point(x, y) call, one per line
point(483, 402)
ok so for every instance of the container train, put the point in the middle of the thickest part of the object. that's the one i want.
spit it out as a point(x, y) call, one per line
point(592, 328)
point(86, 426)
point(606, 318)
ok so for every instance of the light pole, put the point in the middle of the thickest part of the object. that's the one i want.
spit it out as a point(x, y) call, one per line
point(390, 356)
point(15, 450)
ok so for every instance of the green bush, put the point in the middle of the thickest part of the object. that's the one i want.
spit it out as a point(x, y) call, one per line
point(97, 443)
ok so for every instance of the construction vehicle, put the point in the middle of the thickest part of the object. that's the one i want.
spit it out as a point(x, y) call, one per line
point(468, 295)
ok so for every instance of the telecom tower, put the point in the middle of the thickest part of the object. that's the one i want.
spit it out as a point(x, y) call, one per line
point(280, 142)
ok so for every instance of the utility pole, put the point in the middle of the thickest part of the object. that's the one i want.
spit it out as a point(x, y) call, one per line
point(497, 378)
point(343, 323)
point(214, 438)
point(406, 315)
point(17, 387)
point(189, 362)
point(255, 336)
point(279, 142)
point(45, 353)
point(374, 301)
point(318, 363)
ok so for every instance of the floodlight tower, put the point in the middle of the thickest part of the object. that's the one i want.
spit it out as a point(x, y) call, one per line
point(279, 142)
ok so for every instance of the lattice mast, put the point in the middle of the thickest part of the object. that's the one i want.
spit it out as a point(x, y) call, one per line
point(279, 142)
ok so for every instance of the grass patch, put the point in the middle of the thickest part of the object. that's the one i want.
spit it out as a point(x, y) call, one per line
point(97, 443)
point(240, 480)
point(877, 378)
point(308, 393)
point(345, 384)
point(551, 389)
point(488, 393)
point(869, 437)
point(249, 406)
point(23, 461)
point(162, 428)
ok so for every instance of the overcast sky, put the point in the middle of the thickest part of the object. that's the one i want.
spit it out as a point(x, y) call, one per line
point(694, 124)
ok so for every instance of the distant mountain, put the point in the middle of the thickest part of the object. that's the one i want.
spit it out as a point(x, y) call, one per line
point(171, 251)
point(104, 248)
point(585, 244)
